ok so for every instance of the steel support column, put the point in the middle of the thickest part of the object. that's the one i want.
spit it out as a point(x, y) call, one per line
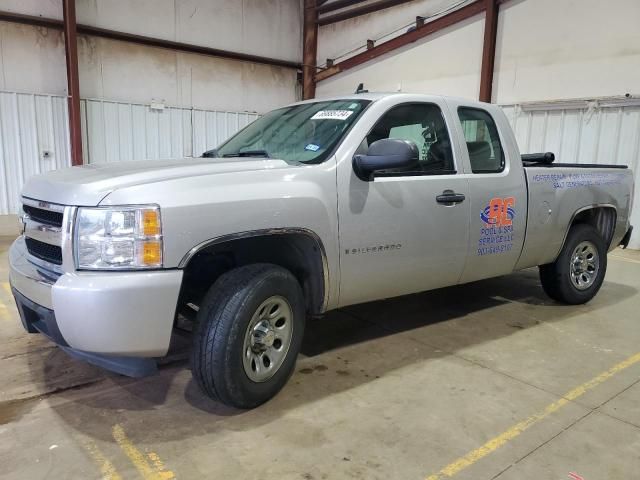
point(73, 83)
point(489, 50)
point(309, 49)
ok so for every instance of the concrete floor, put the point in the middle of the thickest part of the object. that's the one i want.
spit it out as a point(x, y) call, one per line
point(488, 380)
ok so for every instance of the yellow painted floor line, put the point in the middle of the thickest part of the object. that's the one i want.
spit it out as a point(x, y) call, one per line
point(154, 471)
point(156, 461)
point(7, 288)
point(5, 313)
point(502, 439)
point(107, 469)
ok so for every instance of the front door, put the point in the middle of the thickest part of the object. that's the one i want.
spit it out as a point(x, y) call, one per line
point(403, 232)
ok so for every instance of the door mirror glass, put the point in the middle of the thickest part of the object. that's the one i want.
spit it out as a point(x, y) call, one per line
point(386, 154)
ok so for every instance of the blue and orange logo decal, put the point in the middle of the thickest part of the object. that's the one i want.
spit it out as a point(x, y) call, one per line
point(500, 212)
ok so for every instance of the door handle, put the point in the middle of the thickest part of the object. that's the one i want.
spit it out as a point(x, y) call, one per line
point(449, 197)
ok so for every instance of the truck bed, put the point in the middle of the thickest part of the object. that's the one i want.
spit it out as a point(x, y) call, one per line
point(547, 159)
point(557, 192)
point(578, 165)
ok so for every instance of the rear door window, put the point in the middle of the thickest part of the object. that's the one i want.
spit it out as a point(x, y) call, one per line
point(483, 142)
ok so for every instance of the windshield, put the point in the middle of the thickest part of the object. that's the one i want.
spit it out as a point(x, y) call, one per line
point(304, 133)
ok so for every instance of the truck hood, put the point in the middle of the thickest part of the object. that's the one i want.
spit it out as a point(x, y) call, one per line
point(89, 184)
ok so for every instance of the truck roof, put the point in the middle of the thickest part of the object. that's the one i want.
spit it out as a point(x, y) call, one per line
point(374, 96)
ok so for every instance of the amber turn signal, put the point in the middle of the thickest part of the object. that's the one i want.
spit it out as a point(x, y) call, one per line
point(151, 253)
point(150, 222)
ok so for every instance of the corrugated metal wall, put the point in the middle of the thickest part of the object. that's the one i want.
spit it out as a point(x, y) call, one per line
point(116, 132)
point(34, 138)
point(34, 135)
point(124, 131)
point(210, 128)
point(602, 131)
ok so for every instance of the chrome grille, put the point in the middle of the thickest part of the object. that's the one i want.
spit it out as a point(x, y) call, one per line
point(47, 217)
point(44, 232)
point(44, 251)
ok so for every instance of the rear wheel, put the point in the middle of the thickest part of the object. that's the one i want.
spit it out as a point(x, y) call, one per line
point(250, 328)
point(578, 272)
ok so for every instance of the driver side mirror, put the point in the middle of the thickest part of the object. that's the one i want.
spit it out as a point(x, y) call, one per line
point(210, 153)
point(385, 154)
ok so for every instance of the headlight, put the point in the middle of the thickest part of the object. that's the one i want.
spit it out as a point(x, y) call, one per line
point(118, 238)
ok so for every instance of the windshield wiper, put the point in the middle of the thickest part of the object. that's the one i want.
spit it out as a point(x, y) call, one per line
point(248, 153)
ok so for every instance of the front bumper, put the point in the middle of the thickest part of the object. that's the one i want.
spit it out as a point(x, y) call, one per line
point(106, 313)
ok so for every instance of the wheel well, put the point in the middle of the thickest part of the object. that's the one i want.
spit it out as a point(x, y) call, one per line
point(602, 219)
point(300, 253)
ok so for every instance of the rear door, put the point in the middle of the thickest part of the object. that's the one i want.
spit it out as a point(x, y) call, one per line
point(497, 190)
point(397, 233)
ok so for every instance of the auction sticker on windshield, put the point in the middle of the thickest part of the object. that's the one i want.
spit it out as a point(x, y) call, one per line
point(332, 115)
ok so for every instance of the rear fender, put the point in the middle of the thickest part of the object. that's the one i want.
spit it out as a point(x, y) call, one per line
point(601, 216)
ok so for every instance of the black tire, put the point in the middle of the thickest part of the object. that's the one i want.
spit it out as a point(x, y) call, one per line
point(223, 321)
point(556, 277)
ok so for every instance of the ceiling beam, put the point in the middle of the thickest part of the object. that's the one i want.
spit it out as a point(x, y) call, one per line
point(429, 28)
point(147, 41)
point(359, 11)
point(337, 5)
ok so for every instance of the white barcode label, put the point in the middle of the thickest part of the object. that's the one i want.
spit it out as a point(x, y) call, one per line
point(332, 115)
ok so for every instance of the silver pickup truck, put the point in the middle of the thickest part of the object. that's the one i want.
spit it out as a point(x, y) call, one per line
point(312, 207)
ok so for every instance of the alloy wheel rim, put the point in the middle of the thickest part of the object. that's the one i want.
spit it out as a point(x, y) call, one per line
point(585, 265)
point(267, 339)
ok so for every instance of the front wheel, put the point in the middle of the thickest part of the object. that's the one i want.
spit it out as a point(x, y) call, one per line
point(578, 272)
point(249, 333)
